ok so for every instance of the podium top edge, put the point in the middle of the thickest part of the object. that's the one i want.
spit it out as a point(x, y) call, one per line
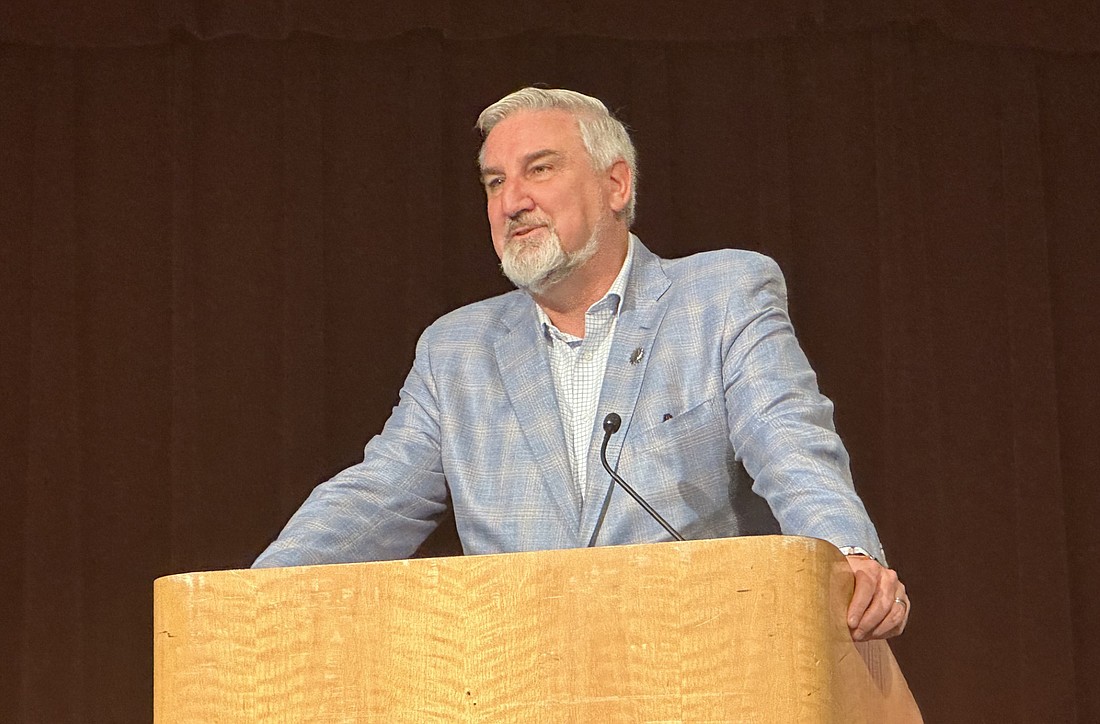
point(739, 545)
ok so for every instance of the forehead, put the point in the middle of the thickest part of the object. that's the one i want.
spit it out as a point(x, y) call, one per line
point(526, 132)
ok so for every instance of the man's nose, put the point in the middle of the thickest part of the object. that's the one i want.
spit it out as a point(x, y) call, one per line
point(515, 198)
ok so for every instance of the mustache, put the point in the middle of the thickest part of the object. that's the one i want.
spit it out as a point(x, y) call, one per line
point(527, 219)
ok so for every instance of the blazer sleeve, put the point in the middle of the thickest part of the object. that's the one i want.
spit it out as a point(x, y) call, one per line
point(384, 507)
point(780, 425)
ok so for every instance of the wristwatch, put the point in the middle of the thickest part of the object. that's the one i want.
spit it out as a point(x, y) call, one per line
point(857, 551)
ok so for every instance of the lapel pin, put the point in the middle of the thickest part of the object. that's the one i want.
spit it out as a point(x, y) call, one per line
point(637, 356)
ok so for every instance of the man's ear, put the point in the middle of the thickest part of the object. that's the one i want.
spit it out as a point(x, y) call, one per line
point(620, 183)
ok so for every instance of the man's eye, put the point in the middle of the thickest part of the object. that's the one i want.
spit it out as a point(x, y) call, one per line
point(493, 184)
point(540, 169)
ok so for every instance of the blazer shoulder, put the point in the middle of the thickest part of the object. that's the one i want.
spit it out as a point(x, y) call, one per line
point(736, 275)
point(722, 264)
point(479, 320)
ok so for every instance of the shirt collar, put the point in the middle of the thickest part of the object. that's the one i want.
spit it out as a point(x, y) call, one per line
point(613, 298)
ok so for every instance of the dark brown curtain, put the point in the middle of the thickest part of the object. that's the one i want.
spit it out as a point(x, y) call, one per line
point(223, 225)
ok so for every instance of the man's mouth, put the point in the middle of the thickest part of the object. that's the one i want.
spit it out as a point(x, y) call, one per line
point(521, 232)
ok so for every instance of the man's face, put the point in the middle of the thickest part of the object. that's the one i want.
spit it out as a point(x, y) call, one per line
point(542, 193)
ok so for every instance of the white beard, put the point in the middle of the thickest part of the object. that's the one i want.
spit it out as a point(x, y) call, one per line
point(537, 265)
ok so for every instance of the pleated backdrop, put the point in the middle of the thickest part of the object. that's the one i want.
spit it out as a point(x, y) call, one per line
point(224, 224)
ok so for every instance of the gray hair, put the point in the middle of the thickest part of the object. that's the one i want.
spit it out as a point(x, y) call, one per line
point(604, 136)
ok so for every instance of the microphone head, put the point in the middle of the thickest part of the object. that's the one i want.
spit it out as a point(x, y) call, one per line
point(611, 423)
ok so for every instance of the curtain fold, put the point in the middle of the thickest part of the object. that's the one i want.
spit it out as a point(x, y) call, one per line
point(1071, 26)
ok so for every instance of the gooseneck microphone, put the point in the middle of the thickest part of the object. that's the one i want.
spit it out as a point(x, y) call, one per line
point(611, 425)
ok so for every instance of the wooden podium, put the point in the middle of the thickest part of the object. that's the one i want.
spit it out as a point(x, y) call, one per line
point(732, 630)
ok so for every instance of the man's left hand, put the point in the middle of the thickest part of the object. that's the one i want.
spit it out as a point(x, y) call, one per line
point(879, 607)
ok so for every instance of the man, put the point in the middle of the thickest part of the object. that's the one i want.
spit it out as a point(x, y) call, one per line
point(723, 429)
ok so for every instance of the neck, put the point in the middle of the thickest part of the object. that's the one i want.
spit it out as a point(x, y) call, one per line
point(567, 302)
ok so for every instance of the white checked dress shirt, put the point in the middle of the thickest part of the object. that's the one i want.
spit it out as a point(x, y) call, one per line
point(577, 366)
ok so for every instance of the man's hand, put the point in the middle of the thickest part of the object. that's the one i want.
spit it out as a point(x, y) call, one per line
point(875, 611)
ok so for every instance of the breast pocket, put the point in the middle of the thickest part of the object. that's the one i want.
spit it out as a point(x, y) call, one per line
point(683, 445)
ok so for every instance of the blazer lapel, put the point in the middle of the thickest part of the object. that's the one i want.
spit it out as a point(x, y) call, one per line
point(640, 317)
point(525, 374)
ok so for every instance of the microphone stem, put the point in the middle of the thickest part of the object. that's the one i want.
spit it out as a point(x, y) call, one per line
point(625, 486)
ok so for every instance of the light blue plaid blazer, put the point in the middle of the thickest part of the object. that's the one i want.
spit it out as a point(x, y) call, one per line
point(724, 431)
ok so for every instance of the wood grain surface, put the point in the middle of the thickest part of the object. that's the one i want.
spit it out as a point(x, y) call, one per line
point(734, 630)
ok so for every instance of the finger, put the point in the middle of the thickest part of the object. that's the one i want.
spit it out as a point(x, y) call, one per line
point(880, 607)
point(895, 621)
point(862, 595)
